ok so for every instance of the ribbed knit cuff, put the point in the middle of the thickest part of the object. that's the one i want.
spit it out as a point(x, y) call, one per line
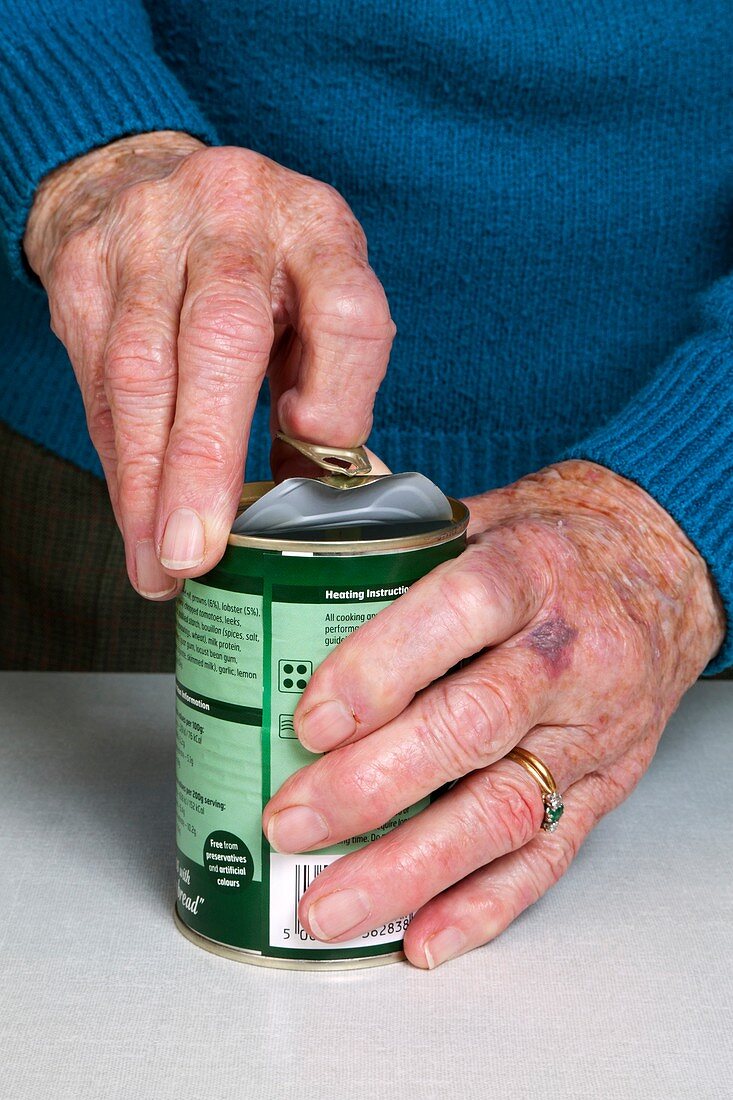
point(74, 77)
point(676, 441)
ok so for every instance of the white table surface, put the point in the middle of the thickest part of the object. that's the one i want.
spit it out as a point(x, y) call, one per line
point(617, 984)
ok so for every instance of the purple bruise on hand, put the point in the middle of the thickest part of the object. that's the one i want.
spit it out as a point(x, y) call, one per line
point(553, 640)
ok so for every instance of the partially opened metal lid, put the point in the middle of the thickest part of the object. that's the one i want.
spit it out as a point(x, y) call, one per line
point(301, 506)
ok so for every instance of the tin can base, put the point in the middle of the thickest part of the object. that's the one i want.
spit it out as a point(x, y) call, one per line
point(239, 954)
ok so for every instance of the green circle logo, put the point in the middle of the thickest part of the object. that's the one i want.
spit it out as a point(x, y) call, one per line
point(228, 861)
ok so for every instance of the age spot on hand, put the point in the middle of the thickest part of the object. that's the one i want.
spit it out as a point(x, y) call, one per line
point(553, 640)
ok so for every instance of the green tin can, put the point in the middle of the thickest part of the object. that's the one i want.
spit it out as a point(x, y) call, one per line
point(250, 634)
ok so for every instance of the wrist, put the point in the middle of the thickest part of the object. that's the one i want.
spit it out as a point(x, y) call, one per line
point(73, 195)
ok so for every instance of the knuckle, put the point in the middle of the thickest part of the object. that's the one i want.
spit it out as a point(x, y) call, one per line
point(207, 452)
point(138, 200)
point(230, 273)
point(462, 727)
point(605, 789)
point(366, 787)
point(59, 320)
point(138, 365)
point(328, 195)
point(226, 182)
point(99, 421)
point(314, 420)
point(519, 808)
point(588, 799)
point(525, 890)
point(222, 161)
point(557, 855)
point(416, 862)
point(74, 265)
point(545, 550)
point(465, 594)
point(519, 561)
point(228, 327)
point(356, 309)
point(477, 815)
point(600, 791)
point(138, 476)
point(331, 214)
point(480, 583)
point(324, 214)
point(497, 908)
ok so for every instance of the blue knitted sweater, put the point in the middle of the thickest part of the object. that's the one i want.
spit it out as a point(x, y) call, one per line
point(546, 187)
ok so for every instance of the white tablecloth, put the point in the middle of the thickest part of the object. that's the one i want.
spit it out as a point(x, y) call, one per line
point(616, 985)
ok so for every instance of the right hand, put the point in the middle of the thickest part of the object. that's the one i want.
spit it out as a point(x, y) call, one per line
point(176, 275)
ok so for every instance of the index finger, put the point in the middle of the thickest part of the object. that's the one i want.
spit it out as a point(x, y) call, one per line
point(477, 600)
point(140, 382)
point(226, 333)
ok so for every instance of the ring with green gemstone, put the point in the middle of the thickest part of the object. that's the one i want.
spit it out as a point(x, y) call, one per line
point(551, 797)
point(554, 810)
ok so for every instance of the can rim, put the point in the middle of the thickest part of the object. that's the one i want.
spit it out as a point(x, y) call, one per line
point(253, 490)
point(242, 955)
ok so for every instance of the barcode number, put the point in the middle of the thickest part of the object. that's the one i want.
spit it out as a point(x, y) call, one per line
point(290, 877)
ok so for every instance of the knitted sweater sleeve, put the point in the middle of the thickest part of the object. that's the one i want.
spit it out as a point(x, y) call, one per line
point(675, 439)
point(74, 75)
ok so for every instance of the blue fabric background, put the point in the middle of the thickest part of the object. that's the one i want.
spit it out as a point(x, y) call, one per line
point(546, 189)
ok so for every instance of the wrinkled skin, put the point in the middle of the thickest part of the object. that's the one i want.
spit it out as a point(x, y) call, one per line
point(177, 274)
point(586, 614)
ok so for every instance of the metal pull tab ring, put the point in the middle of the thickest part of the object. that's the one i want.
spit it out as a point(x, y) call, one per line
point(333, 458)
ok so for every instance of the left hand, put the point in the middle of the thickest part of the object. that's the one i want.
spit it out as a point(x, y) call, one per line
point(587, 613)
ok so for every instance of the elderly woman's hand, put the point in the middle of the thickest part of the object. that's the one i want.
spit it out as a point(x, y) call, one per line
point(170, 268)
point(582, 614)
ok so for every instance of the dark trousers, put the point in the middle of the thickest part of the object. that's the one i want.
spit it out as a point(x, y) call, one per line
point(65, 600)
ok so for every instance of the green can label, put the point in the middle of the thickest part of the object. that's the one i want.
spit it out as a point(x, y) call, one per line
point(250, 634)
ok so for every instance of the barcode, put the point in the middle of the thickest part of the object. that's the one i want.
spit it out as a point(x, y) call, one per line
point(290, 877)
point(305, 874)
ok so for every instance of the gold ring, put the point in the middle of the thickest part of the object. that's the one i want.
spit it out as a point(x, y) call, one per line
point(551, 797)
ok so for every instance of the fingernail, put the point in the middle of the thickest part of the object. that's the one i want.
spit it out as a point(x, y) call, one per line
point(184, 542)
point(444, 945)
point(336, 913)
point(296, 829)
point(152, 581)
point(326, 725)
